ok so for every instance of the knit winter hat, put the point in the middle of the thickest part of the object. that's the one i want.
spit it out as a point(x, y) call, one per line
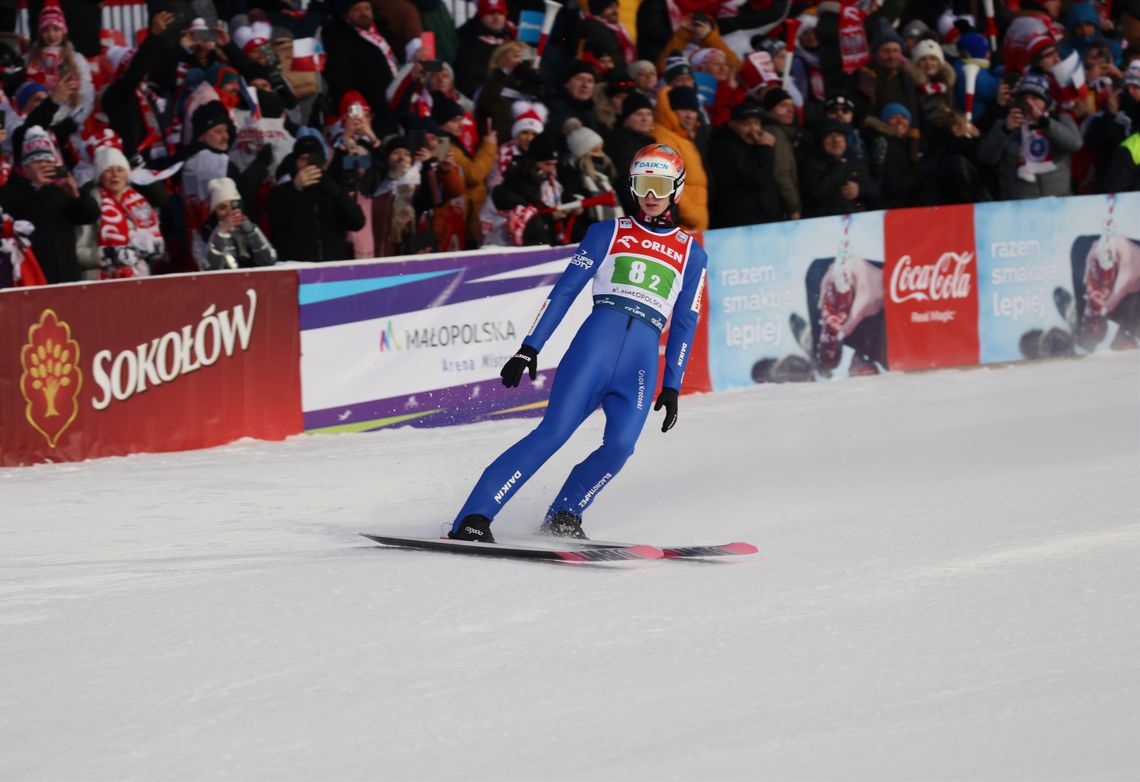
point(684, 98)
point(38, 147)
point(1083, 13)
point(927, 48)
point(914, 29)
point(581, 141)
point(702, 57)
point(1035, 84)
point(634, 101)
point(52, 15)
point(974, 46)
point(220, 75)
point(748, 107)
point(1039, 45)
point(444, 109)
point(222, 190)
point(579, 66)
point(485, 7)
point(207, 116)
point(543, 148)
point(597, 6)
point(676, 65)
point(774, 97)
point(528, 116)
point(253, 36)
point(886, 35)
point(108, 156)
point(353, 98)
point(635, 68)
point(893, 109)
point(26, 92)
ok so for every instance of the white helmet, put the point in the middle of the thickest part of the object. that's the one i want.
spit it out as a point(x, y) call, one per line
point(657, 169)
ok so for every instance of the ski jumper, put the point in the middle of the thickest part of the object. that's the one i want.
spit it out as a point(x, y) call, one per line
point(641, 277)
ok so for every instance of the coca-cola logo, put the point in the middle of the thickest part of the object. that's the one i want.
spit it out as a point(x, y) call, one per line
point(946, 278)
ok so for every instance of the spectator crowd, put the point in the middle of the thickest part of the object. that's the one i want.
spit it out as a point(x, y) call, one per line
point(236, 133)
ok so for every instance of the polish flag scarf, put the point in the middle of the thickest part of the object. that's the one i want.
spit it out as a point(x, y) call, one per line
point(628, 48)
point(119, 220)
point(373, 36)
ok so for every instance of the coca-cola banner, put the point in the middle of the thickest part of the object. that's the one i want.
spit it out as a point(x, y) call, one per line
point(931, 279)
point(157, 364)
point(421, 342)
point(1059, 276)
point(796, 301)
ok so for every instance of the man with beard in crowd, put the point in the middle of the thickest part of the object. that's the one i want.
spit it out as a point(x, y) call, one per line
point(359, 58)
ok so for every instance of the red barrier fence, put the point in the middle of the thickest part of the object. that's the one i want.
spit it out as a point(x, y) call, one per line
point(162, 364)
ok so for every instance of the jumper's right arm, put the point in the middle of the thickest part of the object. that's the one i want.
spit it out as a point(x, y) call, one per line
point(583, 266)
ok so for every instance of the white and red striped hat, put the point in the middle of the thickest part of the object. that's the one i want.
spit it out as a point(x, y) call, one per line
point(528, 116)
point(52, 15)
point(249, 37)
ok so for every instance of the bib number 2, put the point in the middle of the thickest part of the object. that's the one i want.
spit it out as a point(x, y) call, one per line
point(645, 274)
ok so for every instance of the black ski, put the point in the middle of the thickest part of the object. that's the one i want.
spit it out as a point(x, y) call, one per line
point(610, 553)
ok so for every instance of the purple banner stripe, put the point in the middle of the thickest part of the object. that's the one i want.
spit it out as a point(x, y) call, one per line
point(415, 296)
point(412, 297)
point(477, 266)
point(460, 404)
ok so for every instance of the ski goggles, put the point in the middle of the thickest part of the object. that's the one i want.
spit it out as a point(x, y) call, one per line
point(644, 184)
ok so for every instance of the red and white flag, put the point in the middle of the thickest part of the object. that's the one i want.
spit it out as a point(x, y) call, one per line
point(308, 55)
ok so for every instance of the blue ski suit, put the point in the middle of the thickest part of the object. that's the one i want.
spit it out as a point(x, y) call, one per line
point(641, 276)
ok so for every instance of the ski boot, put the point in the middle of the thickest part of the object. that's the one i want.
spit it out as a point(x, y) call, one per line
point(564, 524)
point(475, 528)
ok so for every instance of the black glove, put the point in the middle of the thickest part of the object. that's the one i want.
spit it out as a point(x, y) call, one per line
point(525, 359)
point(667, 399)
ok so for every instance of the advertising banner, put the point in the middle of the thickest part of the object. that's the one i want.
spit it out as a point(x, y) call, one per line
point(156, 364)
point(1025, 289)
point(1062, 276)
point(422, 342)
point(931, 285)
point(796, 301)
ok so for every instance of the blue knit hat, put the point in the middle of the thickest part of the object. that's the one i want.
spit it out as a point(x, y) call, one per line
point(974, 46)
point(26, 92)
point(891, 109)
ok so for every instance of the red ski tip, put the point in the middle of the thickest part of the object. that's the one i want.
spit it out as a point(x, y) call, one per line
point(740, 548)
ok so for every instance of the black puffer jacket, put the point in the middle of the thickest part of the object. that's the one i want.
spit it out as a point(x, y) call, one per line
point(744, 188)
point(313, 224)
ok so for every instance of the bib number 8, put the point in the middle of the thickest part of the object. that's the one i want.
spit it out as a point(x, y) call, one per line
point(646, 275)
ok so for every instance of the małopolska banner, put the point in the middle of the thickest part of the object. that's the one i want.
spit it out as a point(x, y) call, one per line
point(157, 364)
point(422, 342)
point(931, 281)
point(796, 301)
point(1059, 276)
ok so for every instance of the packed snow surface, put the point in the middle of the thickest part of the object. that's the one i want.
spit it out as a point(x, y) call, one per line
point(947, 588)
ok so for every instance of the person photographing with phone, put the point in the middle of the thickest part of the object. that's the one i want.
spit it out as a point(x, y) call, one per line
point(1031, 147)
point(310, 215)
point(48, 198)
point(645, 271)
point(233, 240)
point(53, 61)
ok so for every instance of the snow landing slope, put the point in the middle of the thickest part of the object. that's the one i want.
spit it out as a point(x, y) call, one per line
point(947, 588)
